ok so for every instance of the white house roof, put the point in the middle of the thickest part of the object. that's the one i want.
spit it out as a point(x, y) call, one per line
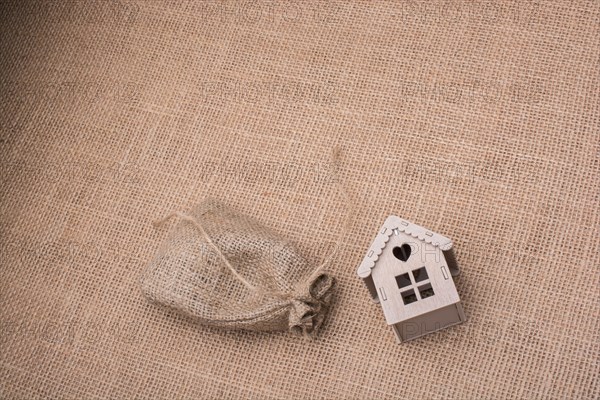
point(391, 224)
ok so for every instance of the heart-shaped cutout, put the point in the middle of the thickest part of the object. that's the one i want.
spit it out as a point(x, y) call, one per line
point(403, 252)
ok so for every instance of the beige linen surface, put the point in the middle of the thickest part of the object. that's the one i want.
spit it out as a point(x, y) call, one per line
point(478, 120)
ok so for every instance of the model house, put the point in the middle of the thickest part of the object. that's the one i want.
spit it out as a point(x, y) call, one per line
point(408, 270)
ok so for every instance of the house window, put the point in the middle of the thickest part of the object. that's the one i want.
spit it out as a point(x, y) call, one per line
point(403, 281)
point(426, 291)
point(414, 285)
point(420, 274)
point(408, 296)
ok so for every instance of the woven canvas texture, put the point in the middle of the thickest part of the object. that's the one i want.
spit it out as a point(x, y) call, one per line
point(477, 120)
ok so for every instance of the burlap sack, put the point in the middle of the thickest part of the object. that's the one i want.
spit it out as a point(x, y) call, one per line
point(229, 271)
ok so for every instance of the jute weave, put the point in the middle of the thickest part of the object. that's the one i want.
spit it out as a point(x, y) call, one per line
point(478, 120)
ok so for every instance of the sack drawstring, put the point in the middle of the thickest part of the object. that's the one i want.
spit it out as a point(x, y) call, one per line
point(313, 275)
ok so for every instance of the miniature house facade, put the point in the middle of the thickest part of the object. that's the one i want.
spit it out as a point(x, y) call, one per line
point(408, 270)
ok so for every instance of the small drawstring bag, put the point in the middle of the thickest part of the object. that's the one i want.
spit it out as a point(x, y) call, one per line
point(227, 270)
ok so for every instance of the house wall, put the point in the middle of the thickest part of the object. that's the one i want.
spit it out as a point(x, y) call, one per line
point(388, 267)
point(429, 322)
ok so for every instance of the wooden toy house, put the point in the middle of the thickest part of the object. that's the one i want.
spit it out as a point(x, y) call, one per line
point(408, 270)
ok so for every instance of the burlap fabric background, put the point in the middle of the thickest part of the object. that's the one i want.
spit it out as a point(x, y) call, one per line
point(478, 120)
